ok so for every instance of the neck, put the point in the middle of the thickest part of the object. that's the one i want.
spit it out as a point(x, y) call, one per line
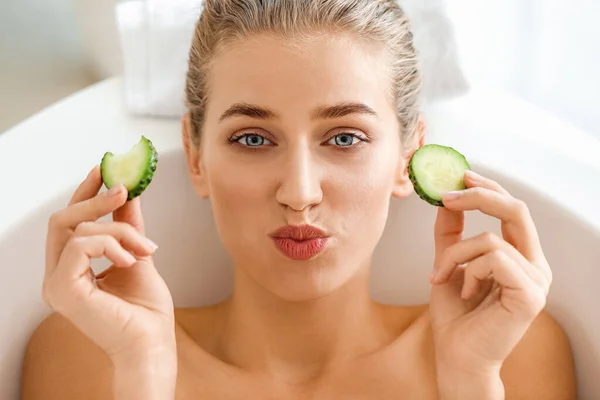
point(263, 332)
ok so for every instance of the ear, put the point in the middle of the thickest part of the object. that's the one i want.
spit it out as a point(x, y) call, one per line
point(193, 156)
point(403, 187)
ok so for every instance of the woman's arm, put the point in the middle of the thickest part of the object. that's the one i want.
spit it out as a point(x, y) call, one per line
point(62, 363)
point(150, 376)
point(121, 323)
point(487, 303)
point(540, 367)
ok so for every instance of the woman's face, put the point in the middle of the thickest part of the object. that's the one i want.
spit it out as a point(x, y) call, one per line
point(300, 134)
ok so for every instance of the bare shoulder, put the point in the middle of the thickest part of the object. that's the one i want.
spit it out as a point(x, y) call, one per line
point(542, 365)
point(400, 318)
point(62, 363)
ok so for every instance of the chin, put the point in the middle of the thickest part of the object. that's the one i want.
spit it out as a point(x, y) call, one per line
point(293, 280)
point(305, 281)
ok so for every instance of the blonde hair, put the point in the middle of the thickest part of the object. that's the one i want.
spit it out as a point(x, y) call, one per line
point(383, 21)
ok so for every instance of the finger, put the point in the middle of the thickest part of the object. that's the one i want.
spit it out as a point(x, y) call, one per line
point(74, 263)
point(473, 179)
point(93, 208)
point(471, 285)
point(512, 278)
point(469, 249)
point(75, 259)
point(131, 213)
point(71, 292)
point(62, 223)
point(496, 264)
point(512, 212)
point(55, 239)
point(104, 273)
point(447, 230)
point(126, 235)
point(88, 188)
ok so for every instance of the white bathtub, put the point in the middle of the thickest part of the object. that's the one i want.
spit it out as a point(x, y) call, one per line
point(559, 179)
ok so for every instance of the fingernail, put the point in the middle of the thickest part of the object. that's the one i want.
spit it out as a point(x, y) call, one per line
point(433, 274)
point(115, 190)
point(474, 176)
point(151, 244)
point(449, 196)
point(130, 258)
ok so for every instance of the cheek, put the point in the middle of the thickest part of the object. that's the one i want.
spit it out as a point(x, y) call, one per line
point(238, 195)
point(370, 179)
point(362, 196)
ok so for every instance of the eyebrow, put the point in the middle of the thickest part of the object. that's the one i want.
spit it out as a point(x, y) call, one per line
point(327, 112)
point(248, 110)
point(341, 110)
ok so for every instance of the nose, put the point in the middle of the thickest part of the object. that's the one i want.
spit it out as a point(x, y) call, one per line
point(300, 186)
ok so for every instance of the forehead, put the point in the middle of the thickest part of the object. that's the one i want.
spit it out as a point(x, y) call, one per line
point(300, 73)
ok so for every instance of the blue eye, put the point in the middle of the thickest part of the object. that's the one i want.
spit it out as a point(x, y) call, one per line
point(252, 140)
point(344, 140)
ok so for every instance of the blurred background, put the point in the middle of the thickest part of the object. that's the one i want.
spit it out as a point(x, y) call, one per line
point(545, 51)
point(42, 56)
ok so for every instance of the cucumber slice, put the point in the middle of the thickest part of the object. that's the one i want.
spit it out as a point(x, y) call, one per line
point(133, 169)
point(435, 169)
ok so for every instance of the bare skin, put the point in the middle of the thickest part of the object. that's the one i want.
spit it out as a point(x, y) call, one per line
point(399, 365)
point(299, 330)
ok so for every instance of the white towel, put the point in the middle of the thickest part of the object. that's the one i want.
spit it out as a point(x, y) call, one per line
point(434, 37)
point(156, 36)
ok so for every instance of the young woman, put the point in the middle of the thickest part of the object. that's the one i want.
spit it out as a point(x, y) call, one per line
point(302, 117)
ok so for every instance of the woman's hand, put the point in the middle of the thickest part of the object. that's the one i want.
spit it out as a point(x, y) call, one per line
point(126, 310)
point(486, 291)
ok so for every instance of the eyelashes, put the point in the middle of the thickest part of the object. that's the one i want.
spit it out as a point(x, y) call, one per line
point(250, 140)
point(344, 140)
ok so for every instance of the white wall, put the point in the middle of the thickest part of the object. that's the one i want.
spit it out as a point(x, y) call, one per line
point(546, 51)
point(42, 56)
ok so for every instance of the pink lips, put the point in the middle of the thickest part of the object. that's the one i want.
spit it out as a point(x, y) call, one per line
point(300, 242)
